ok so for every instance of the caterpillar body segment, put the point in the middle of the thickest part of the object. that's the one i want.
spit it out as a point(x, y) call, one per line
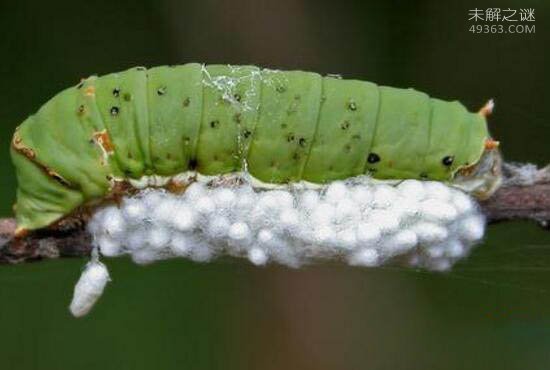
point(345, 130)
point(281, 127)
point(43, 200)
point(175, 102)
point(231, 102)
point(289, 114)
point(55, 138)
point(450, 129)
point(121, 99)
point(399, 148)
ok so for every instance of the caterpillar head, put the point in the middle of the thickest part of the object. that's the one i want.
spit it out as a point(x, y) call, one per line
point(484, 177)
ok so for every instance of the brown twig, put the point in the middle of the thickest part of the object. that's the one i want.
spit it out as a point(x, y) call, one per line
point(525, 194)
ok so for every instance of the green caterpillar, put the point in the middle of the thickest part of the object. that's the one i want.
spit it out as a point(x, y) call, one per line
point(85, 143)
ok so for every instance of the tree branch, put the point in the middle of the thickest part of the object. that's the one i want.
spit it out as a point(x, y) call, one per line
point(525, 194)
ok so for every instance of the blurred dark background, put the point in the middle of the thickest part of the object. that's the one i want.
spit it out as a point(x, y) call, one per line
point(491, 312)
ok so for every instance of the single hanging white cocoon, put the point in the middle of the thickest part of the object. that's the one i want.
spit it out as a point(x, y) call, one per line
point(89, 287)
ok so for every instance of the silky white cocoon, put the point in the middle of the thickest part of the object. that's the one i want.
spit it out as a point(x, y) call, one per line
point(368, 234)
point(401, 242)
point(436, 251)
point(384, 196)
point(159, 237)
point(289, 220)
point(437, 190)
point(265, 237)
point(183, 217)
point(454, 248)
point(164, 211)
point(89, 288)
point(218, 227)
point(114, 223)
point(438, 210)
point(429, 233)
point(385, 220)
point(365, 257)
point(336, 192)
point(109, 247)
point(205, 206)
point(146, 256)
point(136, 240)
point(323, 234)
point(182, 244)
point(346, 238)
point(284, 199)
point(472, 228)
point(361, 196)
point(462, 202)
point(240, 231)
point(309, 199)
point(257, 256)
point(347, 211)
point(324, 213)
point(194, 191)
point(225, 198)
point(152, 197)
point(412, 189)
point(133, 208)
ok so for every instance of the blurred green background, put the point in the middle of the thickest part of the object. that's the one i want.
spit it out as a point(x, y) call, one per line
point(491, 312)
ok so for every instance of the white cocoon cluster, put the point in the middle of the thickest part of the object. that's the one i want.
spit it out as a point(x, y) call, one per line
point(366, 223)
